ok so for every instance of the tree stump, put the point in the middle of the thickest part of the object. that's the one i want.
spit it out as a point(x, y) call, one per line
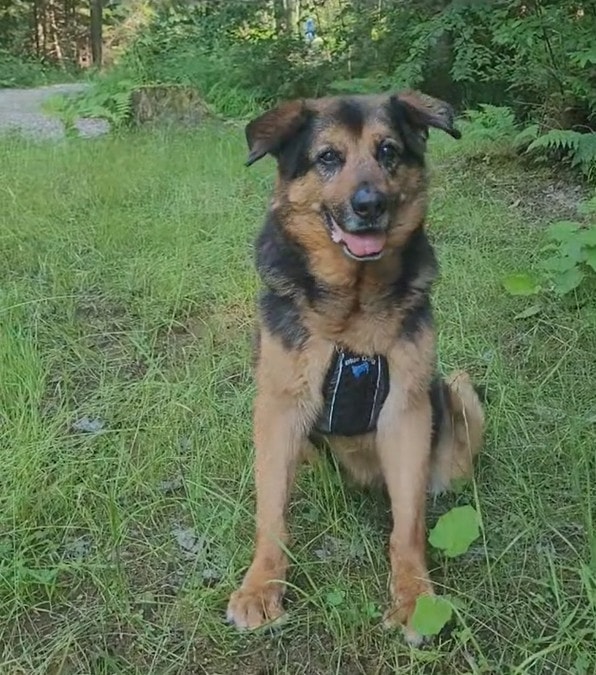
point(168, 104)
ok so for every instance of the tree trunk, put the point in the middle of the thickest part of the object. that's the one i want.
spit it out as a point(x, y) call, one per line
point(57, 47)
point(280, 16)
point(293, 14)
point(42, 17)
point(287, 15)
point(96, 32)
point(36, 29)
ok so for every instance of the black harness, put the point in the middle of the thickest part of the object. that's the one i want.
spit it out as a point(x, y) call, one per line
point(354, 391)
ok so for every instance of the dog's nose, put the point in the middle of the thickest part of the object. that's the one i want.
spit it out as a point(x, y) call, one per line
point(368, 203)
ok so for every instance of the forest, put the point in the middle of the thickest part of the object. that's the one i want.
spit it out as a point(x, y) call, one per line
point(533, 60)
point(128, 299)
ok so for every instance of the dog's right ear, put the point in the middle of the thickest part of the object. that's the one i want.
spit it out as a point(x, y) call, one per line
point(268, 133)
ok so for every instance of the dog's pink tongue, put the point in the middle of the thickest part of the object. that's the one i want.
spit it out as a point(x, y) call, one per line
point(362, 245)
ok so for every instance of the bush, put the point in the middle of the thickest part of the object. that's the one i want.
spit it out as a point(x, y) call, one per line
point(18, 72)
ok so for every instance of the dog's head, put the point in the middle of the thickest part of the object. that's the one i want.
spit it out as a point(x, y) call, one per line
point(355, 162)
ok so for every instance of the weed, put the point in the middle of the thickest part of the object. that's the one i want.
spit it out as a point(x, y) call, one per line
point(571, 246)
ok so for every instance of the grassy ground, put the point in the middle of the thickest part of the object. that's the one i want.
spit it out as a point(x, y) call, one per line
point(126, 301)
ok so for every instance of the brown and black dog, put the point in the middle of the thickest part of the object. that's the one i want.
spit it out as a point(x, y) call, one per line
point(346, 346)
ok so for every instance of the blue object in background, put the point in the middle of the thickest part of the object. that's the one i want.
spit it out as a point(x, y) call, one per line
point(309, 29)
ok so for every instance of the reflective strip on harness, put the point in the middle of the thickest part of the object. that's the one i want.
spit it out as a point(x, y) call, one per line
point(354, 391)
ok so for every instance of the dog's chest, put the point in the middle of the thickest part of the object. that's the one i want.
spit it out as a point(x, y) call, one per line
point(365, 327)
point(354, 391)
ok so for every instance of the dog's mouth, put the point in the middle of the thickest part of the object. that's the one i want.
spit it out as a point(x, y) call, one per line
point(368, 245)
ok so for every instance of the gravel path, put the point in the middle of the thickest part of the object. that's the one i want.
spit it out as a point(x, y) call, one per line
point(20, 110)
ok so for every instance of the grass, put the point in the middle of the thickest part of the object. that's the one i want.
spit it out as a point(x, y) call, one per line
point(126, 297)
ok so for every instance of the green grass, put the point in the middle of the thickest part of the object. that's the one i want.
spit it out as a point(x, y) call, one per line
point(126, 296)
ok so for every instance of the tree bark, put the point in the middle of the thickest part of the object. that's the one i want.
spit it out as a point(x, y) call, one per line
point(293, 14)
point(57, 47)
point(36, 29)
point(287, 14)
point(96, 32)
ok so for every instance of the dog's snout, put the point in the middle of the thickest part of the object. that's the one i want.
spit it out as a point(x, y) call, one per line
point(368, 203)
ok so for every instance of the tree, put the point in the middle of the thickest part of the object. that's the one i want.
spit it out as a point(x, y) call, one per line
point(96, 32)
point(287, 15)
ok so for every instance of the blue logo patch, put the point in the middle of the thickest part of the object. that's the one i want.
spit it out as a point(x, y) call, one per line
point(360, 369)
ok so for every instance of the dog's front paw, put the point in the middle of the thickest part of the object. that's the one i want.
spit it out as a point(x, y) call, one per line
point(405, 593)
point(253, 606)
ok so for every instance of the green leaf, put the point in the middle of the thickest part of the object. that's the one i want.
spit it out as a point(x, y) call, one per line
point(573, 248)
point(559, 263)
point(521, 284)
point(371, 610)
point(587, 236)
point(565, 282)
point(431, 614)
point(526, 135)
point(530, 311)
point(455, 531)
point(563, 230)
point(335, 598)
point(590, 257)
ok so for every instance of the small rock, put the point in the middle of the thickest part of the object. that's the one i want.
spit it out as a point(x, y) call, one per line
point(330, 546)
point(185, 445)
point(190, 542)
point(79, 548)
point(211, 576)
point(88, 426)
point(171, 485)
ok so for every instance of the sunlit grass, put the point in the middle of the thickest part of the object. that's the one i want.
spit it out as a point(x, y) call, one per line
point(127, 293)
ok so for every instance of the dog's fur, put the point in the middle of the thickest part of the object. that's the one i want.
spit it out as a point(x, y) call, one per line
point(317, 296)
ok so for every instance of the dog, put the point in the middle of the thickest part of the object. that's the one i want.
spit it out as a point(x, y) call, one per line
point(345, 344)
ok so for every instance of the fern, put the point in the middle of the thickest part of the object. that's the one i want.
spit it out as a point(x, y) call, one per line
point(584, 57)
point(108, 99)
point(580, 148)
point(526, 136)
point(489, 131)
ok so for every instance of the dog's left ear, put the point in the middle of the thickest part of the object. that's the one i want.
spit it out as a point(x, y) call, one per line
point(424, 111)
point(268, 133)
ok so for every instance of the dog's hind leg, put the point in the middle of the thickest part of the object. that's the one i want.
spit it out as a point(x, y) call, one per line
point(461, 434)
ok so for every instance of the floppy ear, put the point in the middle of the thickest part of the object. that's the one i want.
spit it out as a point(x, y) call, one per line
point(269, 132)
point(425, 111)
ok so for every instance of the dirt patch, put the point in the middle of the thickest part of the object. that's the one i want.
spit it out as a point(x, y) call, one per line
point(550, 200)
point(218, 327)
point(105, 325)
point(544, 196)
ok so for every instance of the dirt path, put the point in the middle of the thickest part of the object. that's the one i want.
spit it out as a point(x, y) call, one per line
point(20, 110)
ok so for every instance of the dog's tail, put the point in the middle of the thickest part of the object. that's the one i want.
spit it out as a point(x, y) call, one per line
point(462, 432)
point(466, 406)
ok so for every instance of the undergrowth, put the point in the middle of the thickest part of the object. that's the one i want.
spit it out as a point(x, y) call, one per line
point(28, 72)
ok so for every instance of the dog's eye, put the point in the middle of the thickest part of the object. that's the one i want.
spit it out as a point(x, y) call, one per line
point(329, 158)
point(388, 155)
